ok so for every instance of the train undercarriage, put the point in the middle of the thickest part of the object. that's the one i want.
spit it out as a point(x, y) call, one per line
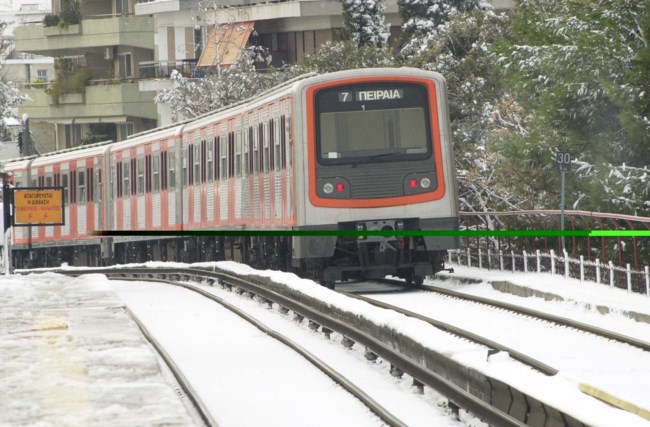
point(353, 258)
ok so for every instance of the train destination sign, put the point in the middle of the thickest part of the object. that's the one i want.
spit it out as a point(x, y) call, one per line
point(38, 206)
point(371, 95)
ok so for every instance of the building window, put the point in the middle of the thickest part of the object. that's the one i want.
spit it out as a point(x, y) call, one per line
point(72, 135)
point(41, 74)
point(124, 130)
point(125, 70)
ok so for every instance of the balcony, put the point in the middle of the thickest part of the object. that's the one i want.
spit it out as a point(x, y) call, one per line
point(136, 31)
point(101, 99)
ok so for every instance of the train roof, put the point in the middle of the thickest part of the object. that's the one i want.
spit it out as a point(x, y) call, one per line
point(176, 129)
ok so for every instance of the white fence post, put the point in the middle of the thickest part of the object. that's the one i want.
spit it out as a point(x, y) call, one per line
point(552, 261)
point(598, 271)
point(582, 268)
point(469, 258)
point(525, 262)
point(512, 255)
point(501, 259)
point(611, 274)
point(629, 277)
point(566, 263)
point(539, 265)
point(480, 261)
point(647, 281)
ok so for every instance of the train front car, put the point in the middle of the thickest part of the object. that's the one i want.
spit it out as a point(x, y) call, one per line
point(379, 157)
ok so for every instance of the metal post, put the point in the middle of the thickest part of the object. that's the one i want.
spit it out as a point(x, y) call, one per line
point(27, 140)
point(562, 210)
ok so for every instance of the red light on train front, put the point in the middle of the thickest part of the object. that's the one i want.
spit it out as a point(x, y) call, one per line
point(413, 183)
point(340, 187)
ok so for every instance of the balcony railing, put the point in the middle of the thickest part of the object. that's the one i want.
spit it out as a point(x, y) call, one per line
point(163, 69)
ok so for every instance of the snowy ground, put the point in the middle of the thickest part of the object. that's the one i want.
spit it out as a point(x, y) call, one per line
point(51, 345)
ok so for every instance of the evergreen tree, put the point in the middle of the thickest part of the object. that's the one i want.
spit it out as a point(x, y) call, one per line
point(461, 52)
point(580, 71)
point(421, 18)
point(364, 22)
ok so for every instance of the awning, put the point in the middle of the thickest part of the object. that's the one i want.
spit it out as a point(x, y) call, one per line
point(224, 44)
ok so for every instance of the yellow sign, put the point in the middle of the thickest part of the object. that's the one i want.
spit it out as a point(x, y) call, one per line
point(38, 206)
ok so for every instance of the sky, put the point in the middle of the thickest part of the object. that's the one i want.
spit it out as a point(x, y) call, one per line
point(67, 346)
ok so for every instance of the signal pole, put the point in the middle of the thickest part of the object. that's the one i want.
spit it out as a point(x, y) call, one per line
point(563, 160)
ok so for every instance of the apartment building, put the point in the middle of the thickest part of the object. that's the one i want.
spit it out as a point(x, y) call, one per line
point(123, 52)
point(98, 46)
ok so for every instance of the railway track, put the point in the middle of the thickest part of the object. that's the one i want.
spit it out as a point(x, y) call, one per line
point(375, 407)
point(489, 399)
point(596, 346)
point(197, 403)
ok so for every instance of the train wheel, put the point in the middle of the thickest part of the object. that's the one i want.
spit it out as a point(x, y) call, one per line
point(418, 281)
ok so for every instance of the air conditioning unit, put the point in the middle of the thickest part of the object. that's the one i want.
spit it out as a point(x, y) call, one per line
point(108, 52)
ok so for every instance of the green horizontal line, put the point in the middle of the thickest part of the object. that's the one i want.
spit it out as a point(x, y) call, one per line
point(369, 233)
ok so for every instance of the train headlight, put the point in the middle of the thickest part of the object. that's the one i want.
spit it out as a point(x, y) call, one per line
point(328, 188)
point(425, 182)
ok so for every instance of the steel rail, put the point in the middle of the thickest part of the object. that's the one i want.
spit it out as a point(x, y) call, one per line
point(463, 333)
point(200, 407)
point(564, 321)
point(337, 377)
point(458, 395)
point(374, 406)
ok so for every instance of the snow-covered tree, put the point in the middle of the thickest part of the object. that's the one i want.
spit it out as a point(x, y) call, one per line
point(193, 97)
point(346, 56)
point(583, 75)
point(421, 18)
point(10, 95)
point(364, 22)
point(461, 52)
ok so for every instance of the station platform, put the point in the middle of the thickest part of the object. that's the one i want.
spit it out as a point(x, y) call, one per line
point(72, 356)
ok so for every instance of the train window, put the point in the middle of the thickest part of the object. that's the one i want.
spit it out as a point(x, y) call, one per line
point(276, 155)
point(155, 173)
point(118, 179)
point(147, 174)
point(48, 180)
point(283, 140)
point(244, 165)
point(140, 183)
point(81, 186)
point(231, 154)
point(64, 184)
point(210, 160)
point(163, 170)
point(289, 142)
point(184, 167)
point(373, 122)
point(267, 151)
point(33, 182)
point(217, 157)
point(134, 177)
point(172, 170)
point(90, 196)
point(223, 166)
point(98, 183)
point(126, 170)
point(204, 174)
point(238, 154)
point(197, 164)
point(73, 186)
point(256, 149)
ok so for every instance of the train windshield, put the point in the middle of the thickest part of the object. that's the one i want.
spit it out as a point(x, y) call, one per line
point(371, 123)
